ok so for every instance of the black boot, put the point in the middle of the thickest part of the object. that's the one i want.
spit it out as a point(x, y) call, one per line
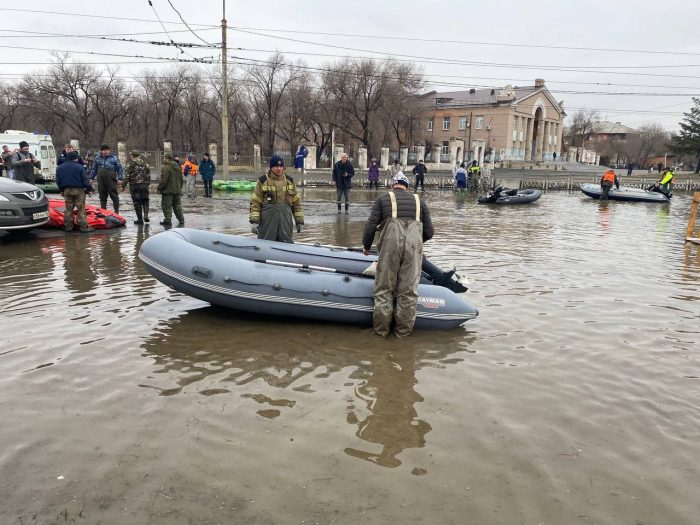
point(139, 213)
point(145, 213)
point(338, 208)
point(346, 207)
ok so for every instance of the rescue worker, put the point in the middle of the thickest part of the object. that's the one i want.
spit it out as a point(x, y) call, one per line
point(275, 202)
point(207, 169)
point(343, 172)
point(665, 182)
point(404, 225)
point(109, 172)
point(23, 162)
point(474, 175)
point(170, 189)
point(73, 183)
point(606, 183)
point(419, 170)
point(190, 170)
point(138, 177)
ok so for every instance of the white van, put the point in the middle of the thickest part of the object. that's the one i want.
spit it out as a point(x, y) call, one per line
point(40, 145)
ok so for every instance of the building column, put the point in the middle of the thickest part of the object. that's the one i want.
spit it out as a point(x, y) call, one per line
point(384, 158)
point(421, 152)
point(403, 157)
point(214, 153)
point(257, 162)
point(437, 151)
point(560, 137)
point(362, 158)
point(310, 160)
point(539, 141)
point(121, 151)
point(529, 123)
point(546, 147)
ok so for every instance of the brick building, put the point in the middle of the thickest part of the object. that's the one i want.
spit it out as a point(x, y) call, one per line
point(510, 123)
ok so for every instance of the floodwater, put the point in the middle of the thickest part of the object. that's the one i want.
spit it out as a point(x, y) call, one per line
point(572, 398)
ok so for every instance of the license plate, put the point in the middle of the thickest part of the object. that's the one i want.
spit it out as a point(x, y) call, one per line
point(40, 215)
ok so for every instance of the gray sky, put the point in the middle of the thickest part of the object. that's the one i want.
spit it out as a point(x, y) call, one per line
point(664, 30)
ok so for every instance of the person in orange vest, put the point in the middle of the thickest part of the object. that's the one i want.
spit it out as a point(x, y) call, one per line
point(606, 183)
point(190, 171)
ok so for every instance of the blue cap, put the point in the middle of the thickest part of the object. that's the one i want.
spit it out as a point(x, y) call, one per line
point(276, 160)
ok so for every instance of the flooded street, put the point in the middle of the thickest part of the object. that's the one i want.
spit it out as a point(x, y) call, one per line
point(572, 398)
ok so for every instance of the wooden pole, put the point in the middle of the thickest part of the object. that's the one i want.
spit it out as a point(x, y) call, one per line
point(690, 235)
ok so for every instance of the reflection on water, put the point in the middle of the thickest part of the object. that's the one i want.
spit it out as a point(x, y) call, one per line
point(392, 422)
point(211, 352)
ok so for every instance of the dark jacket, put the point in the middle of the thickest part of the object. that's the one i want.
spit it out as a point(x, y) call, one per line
point(300, 156)
point(64, 158)
point(207, 169)
point(110, 162)
point(405, 207)
point(343, 174)
point(170, 179)
point(420, 169)
point(71, 174)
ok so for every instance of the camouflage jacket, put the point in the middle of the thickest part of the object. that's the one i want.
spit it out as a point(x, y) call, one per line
point(137, 172)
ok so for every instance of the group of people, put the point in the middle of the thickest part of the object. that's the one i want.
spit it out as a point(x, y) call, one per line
point(19, 163)
point(401, 219)
point(75, 181)
point(663, 185)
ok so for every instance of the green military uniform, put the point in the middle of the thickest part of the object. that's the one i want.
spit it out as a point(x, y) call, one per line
point(274, 203)
point(137, 176)
point(170, 188)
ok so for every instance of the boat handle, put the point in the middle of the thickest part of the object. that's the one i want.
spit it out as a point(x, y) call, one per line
point(201, 272)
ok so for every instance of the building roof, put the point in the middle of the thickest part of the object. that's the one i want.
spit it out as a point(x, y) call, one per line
point(484, 97)
point(604, 127)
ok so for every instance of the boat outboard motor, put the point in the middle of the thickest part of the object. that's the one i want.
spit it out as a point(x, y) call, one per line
point(451, 279)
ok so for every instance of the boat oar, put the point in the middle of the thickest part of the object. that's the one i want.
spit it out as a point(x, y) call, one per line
point(311, 267)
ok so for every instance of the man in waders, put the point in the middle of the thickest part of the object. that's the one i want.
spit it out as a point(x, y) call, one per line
point(138, 178)
point(606, 183)
point(108, 170)
point(404, 225)
point(274, 203)
point(170, 189)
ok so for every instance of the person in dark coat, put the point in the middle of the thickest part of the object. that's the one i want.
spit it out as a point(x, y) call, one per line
point(373, 175)
point(343, 172)
point(207, 169)
point(23, 162)
point(63, 157)
point(419, 170)
point(73, 182)
point(300, 156)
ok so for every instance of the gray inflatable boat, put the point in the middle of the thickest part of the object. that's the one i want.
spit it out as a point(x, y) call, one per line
point(296, 280)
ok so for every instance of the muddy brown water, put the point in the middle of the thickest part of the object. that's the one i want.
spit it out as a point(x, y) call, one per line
point(572, 398)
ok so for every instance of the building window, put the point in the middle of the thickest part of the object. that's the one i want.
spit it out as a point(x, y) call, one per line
point(445, 123)
point(462, 123)
point(479, 123)
point(445, 148)
point(515, 134)
point(430, 125)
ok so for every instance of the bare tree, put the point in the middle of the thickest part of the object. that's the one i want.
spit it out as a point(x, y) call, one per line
point(581, 127)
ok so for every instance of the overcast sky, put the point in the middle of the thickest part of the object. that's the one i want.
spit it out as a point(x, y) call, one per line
point(650, 46)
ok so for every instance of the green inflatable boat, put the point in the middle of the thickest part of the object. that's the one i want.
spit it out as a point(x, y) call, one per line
point(234, 185)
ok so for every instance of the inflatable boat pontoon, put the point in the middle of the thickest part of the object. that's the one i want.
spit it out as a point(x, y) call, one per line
point(624, 194)
point(297, 280)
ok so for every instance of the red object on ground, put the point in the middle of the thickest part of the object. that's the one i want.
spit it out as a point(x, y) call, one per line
point(97, 218)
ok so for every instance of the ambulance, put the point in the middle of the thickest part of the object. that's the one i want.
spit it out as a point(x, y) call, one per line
point(40, 145)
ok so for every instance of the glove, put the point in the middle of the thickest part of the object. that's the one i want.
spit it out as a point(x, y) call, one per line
point(254, 229)
point(299, 227)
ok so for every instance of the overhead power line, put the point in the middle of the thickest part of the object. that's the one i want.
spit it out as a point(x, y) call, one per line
point(63, 13)
point(34, 34)
point(208, 60)
point(466, 42)
point(186, 25)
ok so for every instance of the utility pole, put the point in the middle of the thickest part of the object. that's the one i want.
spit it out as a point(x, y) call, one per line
point(224, 97)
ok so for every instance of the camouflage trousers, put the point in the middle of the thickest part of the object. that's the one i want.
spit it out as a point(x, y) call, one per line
point(74, 198)
point(398, 274)
point(171, 203)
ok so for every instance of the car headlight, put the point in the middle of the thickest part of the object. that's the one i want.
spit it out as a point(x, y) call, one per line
point(4, 199)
